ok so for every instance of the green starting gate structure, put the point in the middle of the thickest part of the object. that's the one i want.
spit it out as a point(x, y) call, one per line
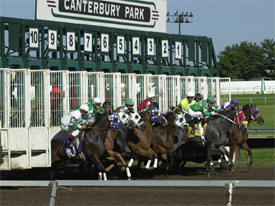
point(40, 44)
point(85, 49)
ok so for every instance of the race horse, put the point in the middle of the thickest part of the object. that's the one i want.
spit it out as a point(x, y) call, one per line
point(140, 139)
point(238, 134)
point(216, 135)
point(189, 147)
point(92, 146)
point(163, 137)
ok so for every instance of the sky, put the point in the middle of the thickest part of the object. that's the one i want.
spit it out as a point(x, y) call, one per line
point(227, 22)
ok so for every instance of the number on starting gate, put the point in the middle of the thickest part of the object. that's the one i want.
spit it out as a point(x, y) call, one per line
point(120, 44)
point(178, 46)
point(70, 41)
point(104, 42)
point(33, 38)
point(88, 42)
point(52, 39)
point(135, 45)
point(150, 46)
point(164, 48)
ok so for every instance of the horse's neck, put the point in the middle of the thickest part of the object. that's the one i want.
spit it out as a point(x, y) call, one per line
point(247, 115)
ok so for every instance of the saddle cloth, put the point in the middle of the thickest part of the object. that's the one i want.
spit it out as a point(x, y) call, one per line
point(193, 132)
point(72, 147)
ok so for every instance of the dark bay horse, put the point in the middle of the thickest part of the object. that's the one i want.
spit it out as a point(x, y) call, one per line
point(92, 145)
point(163, 136)
point(238, 135)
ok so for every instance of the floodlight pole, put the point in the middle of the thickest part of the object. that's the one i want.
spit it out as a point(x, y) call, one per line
point(179, 18)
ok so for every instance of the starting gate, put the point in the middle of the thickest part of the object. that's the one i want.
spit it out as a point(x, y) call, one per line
point(32, 103)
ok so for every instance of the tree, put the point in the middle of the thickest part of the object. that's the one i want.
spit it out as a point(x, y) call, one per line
point(247, 60)
point(268, 46)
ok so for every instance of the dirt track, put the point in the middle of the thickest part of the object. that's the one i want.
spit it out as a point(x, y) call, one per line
point(150, 196)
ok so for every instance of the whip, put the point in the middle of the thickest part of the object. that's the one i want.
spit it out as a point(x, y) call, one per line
point(226, 118)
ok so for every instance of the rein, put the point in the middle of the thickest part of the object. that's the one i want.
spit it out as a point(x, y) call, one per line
point(227, 118)
point(93, 128)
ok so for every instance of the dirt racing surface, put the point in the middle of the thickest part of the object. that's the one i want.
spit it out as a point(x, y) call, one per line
point(33, 196)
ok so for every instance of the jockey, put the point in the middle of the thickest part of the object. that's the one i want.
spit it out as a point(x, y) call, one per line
point(147, 102)
point(128, 107)
point(186, 102)
point(93, 107)
point(75, 121)
point(198, 97)
point(106, 108)
point(229, 106)
point(203, 108)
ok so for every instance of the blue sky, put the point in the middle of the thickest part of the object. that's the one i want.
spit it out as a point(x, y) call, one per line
point(227, 22)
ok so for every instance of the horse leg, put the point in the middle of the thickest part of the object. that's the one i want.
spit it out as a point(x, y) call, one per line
point(226, 156)
point(247, 148)
point(209, 157)
point(100, 167)
point(119, 157)
point(232, 151)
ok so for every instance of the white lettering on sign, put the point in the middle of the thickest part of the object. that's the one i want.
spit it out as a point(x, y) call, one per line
point(149, 15)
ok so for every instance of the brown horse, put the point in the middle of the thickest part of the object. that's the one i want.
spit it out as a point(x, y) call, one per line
point(140, 139)
point(163, 137)
point(92, 146)
point(238, 135)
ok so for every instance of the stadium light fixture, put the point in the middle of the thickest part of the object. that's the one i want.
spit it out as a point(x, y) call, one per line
point(179, 17)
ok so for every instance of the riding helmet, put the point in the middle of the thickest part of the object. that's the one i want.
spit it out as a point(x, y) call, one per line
point(211, 99)
point(234, 101)
point(190, 94)
point(129, 101)
point(97, 100)
point(84, 107)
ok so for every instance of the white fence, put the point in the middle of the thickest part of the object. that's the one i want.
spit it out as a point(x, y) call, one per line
point(32, 103)
point(248, 87)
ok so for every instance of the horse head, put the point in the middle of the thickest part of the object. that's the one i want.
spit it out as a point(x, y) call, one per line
point(180, 120)
point(253, 113)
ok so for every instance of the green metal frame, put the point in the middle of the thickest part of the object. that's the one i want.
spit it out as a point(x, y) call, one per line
point(198, 51)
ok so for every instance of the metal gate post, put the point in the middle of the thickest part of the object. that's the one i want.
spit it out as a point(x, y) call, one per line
point(52, 185)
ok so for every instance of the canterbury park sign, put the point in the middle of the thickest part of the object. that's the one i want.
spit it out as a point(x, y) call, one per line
point(145, 15)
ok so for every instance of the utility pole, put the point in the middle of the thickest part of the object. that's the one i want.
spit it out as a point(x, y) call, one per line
point(179, 18)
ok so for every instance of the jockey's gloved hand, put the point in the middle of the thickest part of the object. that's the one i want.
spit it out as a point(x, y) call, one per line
point(213, 113)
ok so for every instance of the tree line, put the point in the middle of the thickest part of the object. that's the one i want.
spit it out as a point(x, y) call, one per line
point(248, 60)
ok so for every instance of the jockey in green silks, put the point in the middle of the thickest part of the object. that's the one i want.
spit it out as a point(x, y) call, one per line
point(203, 108)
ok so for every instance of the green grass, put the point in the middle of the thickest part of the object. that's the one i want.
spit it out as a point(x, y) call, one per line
point(266, 105)
point(261, 158)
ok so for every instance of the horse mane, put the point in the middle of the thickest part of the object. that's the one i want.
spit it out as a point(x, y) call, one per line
point(245, 107)
point(100, 119)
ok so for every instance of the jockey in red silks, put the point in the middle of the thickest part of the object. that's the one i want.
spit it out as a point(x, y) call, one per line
point(241, 120)
point(147, 102)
